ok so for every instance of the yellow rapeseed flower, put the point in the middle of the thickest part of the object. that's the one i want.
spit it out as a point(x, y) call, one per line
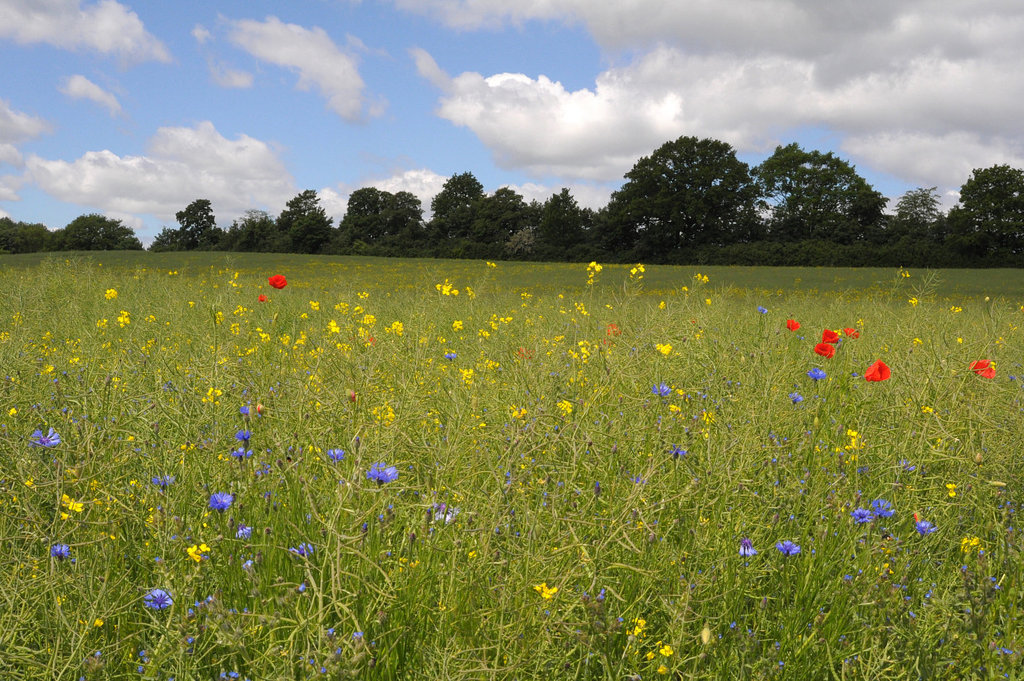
point(110, 294)
point(546, 592)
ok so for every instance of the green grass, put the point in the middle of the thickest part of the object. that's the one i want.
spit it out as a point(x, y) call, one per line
point(543, 431)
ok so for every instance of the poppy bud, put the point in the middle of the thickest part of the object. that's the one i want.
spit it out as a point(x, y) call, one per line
point(259, 409)
point(351, 395)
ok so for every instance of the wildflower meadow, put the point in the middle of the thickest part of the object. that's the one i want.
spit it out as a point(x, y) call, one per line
point(289, 467)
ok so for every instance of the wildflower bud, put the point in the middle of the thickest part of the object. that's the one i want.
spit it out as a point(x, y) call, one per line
point(259, 408)
point(977, 458)
point(351, 395)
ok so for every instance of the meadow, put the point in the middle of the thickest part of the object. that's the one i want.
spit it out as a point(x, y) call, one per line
point(422, 469)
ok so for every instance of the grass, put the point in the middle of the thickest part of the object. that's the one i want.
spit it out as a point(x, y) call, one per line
point(557, 513)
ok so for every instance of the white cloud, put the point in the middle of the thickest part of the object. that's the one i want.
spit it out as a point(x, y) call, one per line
point(181, 165)
point(225, 76)
point(10, 155)
point(16, 126)
point(107, 27)
point(310, 52)
point(925, 90)
point(201, 34)
point(80, 87)
point(9, 187)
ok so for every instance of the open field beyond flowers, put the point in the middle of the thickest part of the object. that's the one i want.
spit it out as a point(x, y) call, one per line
point(415, 469)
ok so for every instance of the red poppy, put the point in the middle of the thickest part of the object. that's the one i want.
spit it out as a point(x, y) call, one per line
point(262, 298)
point(523, 353)
point(613, 330)
point(792, 324)
point(852, 333)
point(825, 349)
point(984, 367)
point(829, 336)
point(277, 281)
point(877, 372)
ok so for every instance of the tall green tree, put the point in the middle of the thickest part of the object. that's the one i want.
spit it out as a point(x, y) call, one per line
point(306, 223)
point(454, 210)
point(254, 232)
point(988, 222)
point(689, 193)
point(95, 232)
point(496, 218)
point(561, 228)
point(812, 195)
point(198, 229)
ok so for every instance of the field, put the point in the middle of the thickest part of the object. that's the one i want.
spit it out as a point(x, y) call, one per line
point(416, 469)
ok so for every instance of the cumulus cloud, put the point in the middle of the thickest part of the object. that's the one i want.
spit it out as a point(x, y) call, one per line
point(311, 53)
point(80, 87)
point(107, 27)
point(181, 165)
point(16, 126)
point(924, 90)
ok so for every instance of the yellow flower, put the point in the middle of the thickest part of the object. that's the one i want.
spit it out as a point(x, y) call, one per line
point(952, 489)
point(968, 544)
point(639, 624)
point(70, 504)
point(664, 348)
point(546, 592)
point(457, 325)
point(566, 407)
point(314, 305)
point(97, 622)
point(110, 294)
point(195, 552)
point(666, 650)
point(12, 412)
point(913, 302)
point(662, 669)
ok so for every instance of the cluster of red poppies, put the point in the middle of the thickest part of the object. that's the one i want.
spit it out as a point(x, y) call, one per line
point(878, 371)
point(277, 281)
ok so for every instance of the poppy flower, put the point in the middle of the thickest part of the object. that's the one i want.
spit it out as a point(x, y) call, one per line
point(829, 336)
point(277, 281)
point(852, 333)
point(877, 372)
point(262, 298)
point(792, 324)
point(825, 349)
point(613, 330)
point(984, 367)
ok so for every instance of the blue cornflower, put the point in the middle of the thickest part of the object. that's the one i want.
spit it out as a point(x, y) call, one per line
point(243, 436)
point(747, 548)
point(244, 531)
point(924, 527)
point(882, 508)
point(336, 454)
point(382, 473)
point(162, 481)
point(677, 452)
point(796, 397)
point(221, 501)
point(816, 374)
point(244, 411)
point(787, 548)
point(241, 453)
point(450, 355)
point(60, 551)
point(51, 439)
point(862, 515)
point(302, 549)
point(158, 599)
point(661, 390)
point(762, 310)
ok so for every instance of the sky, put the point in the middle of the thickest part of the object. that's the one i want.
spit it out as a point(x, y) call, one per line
point(136, 108)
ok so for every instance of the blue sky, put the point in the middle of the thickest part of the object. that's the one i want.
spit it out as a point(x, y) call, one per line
point(134, 109)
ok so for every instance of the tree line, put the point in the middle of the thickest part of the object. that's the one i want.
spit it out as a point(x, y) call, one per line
point(692, 201)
